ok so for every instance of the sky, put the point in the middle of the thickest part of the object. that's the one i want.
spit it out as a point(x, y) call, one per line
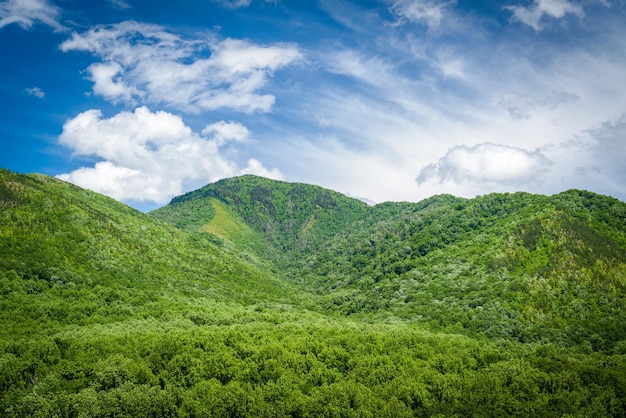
point(383, 100)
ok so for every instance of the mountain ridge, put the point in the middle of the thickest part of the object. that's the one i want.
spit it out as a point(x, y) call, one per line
point(397, 258)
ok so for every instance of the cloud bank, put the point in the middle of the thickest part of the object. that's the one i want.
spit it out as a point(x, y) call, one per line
point(152, 156)
point(145, 63)
point(486, 163)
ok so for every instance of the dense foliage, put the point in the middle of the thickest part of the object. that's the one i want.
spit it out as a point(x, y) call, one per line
point(516, 266)
point(267, 298)
point(290, 217)
point(520, 266)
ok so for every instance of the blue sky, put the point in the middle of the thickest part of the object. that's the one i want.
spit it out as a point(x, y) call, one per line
point(384, 100)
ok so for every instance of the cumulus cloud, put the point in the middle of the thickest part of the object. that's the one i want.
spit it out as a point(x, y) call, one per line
point(151, 156)
point(533, 15)
point(223, 132)
point(107, 84)
point(426, 12)
point(28, 12)
point(36, 91)
point(142, 62)
point(486, 163)
point(520, 106)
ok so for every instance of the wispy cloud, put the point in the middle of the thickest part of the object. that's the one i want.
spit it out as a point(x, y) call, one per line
point(534, 14)
point(426, 12)
point(120, 4)
point(234, 4)
point(145, 63)
point(520, 106)
point(27, 13)
point(36, 91)
point(223, 132)
point(368, 69)
point(593, 160)
point(152, 156)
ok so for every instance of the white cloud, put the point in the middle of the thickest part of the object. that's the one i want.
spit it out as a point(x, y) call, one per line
point(450, 65)
point(367, 69)
point(151, 156)
point(486, 163)
point(427, 12)
point(256, 167)
point(28, 12)
point(36, 91)
point(533, 15)
point(108, 83)
point(223, 132)
point(145, 62)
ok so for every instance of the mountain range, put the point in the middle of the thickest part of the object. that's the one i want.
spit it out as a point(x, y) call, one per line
point(255, 297)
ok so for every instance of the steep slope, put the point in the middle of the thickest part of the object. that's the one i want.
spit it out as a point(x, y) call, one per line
point(65, 244)
point(278, 220)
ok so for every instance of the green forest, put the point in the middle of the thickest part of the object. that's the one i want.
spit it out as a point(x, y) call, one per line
point(255, 297)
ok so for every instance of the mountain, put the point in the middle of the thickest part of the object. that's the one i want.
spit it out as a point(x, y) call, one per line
point(71, 243)
point(253, 297)
point(520, 266)
point(289, 218)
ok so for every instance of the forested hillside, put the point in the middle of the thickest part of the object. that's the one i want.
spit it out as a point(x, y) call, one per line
point(521, 266)
point(251, 297)
point(516, 266)
point(288, 219)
